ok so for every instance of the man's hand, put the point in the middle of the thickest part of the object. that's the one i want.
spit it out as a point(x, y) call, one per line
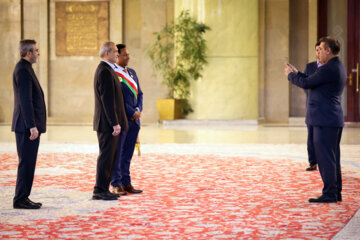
point(136, 116)
point(289, 69)
point(117, 130)
point(34, 133)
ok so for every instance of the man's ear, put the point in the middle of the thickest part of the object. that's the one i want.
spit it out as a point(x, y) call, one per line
point(28, 53)
point(328, 50)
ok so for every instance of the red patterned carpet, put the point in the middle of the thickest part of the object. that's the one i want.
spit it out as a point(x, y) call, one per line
point(185, 197)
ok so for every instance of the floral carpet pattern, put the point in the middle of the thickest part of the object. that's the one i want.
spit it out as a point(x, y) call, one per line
point(186, 196)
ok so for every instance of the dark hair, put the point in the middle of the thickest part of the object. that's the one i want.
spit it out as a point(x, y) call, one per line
point(331, 43)
point(26, 45)
point(317, 44)
point(120, 46)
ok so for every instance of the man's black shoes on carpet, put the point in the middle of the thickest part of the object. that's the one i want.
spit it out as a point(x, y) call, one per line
point(312, 167)
point(105, 196)
point(339, 197)
point(36, 203)
point(324, 199)
point(27, 204)
point(117, 191)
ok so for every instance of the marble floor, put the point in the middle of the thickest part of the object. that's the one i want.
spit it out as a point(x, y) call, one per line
point(269, 140)
point(211, 133)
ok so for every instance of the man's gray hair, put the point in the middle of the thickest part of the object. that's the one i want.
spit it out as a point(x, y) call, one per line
point(105, 47)
point(26, 45)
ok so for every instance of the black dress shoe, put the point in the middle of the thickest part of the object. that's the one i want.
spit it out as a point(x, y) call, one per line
point(323, 199)
point(104, 196)
point(113, 194)
point(131, 189)
point(25, 204)
point(339, 197)
point(36, 203)
point(312, 167)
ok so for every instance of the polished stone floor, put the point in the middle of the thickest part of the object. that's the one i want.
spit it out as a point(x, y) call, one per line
point(246, 139)
point(223, 133)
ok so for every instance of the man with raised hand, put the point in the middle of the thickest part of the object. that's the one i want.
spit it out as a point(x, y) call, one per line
point(325, 114)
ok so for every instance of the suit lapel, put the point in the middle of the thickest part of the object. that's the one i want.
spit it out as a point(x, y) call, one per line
point(36, 80)
point(105, 65)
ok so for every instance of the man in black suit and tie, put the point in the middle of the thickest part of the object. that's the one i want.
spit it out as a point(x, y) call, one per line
point(310, 69)
point(325, 114)
point(29, 121)
point(109, 119)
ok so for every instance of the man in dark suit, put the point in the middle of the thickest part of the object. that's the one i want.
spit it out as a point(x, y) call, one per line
point(109, 119)
point(133, 96)
point(325, 114)
point(310, 69)
point(29, 121)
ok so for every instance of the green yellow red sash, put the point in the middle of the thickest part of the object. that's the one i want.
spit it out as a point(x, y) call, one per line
point(130, 83)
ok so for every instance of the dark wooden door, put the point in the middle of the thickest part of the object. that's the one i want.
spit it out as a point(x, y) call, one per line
point(353, 61)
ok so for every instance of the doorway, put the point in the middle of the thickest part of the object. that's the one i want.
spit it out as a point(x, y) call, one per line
point(353, 59)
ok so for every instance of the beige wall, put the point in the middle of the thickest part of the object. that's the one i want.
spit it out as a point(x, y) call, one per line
point(229, 87)
point(71, 90)
point(10, 34)
point(248, 45)
point(141, 19)
point(67, 81)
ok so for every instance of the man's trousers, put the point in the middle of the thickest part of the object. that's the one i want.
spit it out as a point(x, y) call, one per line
point(105, 161)
point(27, 151)
point(126, 146)
point(327, 152)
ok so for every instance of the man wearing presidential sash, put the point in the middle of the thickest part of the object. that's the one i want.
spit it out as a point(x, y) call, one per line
point(133, 96)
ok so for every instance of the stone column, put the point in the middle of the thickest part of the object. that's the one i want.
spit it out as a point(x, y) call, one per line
point(312, 29)
point(277, 24)
point(116, 23)
point(261, 61)
point(35, 26)
point(10, 34)
point(298, 52)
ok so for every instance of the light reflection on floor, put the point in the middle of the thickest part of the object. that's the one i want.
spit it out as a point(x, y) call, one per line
point(157, 133)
